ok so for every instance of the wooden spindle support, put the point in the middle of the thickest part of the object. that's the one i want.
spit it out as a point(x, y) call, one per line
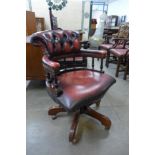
point(74, 61)
point(101, 66)
point(83, 58)
point(93, 63)
point(65, 63)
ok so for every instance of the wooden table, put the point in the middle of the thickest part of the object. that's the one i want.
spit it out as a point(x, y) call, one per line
point(109, 31)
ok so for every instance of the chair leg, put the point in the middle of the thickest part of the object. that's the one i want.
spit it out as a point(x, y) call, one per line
point(54, 110)
point(107, 59)
point(118, 66)
point(102, 118)
point(126, 71)
point(99, 48)
point(98, 103)
point(73, 129)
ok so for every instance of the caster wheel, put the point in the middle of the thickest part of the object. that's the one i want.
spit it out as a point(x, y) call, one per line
point(74, 141)
point(107, 128)
point(54, 117)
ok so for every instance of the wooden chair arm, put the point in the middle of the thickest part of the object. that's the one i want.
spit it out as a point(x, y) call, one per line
point(93, 53)
point(53, 66)
point(51, 69)
point(125, 39)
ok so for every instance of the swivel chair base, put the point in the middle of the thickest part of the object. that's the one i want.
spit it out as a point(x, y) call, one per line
point(84, 110)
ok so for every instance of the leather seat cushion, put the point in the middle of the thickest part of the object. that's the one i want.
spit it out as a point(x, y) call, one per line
point(118, 52)
point(82, 87)
point(108, 46)
point(105, 46)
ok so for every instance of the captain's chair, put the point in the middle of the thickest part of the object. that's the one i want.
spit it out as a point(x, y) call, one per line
point(72, 87)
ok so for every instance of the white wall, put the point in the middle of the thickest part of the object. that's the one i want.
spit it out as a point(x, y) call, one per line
point(68, 18)
point(27, 5)
point(119, 7)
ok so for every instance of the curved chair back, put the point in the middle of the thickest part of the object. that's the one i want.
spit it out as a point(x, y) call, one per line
point(57, 42)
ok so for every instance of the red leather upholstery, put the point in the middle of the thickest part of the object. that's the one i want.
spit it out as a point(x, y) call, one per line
point(82, 87)
point(57, 42)
point(94, 53)
point(105, 46)
point(108, 46)
point(54, 65)
point(68, 86)
point(119, 52)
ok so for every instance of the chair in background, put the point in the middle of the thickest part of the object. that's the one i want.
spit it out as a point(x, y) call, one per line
point(73, 88)
point(119, 54)
point(122, 60)
point(119, 40)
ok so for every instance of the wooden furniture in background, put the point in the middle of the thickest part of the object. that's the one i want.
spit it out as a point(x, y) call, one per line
point(30, 23)
point(122, 60)
point(40, 24)
point(34, 69)
point(111, 30)
point(112, 21)
point(118, 50)
point(108, 32)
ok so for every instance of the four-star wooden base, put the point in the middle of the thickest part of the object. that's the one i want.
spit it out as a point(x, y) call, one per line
point(84, 110)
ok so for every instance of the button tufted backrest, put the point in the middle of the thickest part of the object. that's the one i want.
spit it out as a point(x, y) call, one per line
point(57, 42)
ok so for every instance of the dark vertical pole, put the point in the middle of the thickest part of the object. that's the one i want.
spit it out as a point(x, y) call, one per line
point(82, 22)
point(103, 7)
point(90, 17)
point(107, 9)
point(51, 20)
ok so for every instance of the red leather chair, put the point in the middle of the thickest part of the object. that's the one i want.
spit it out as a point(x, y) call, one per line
point(73, 88)
point(122, 60)
point(119, 40)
